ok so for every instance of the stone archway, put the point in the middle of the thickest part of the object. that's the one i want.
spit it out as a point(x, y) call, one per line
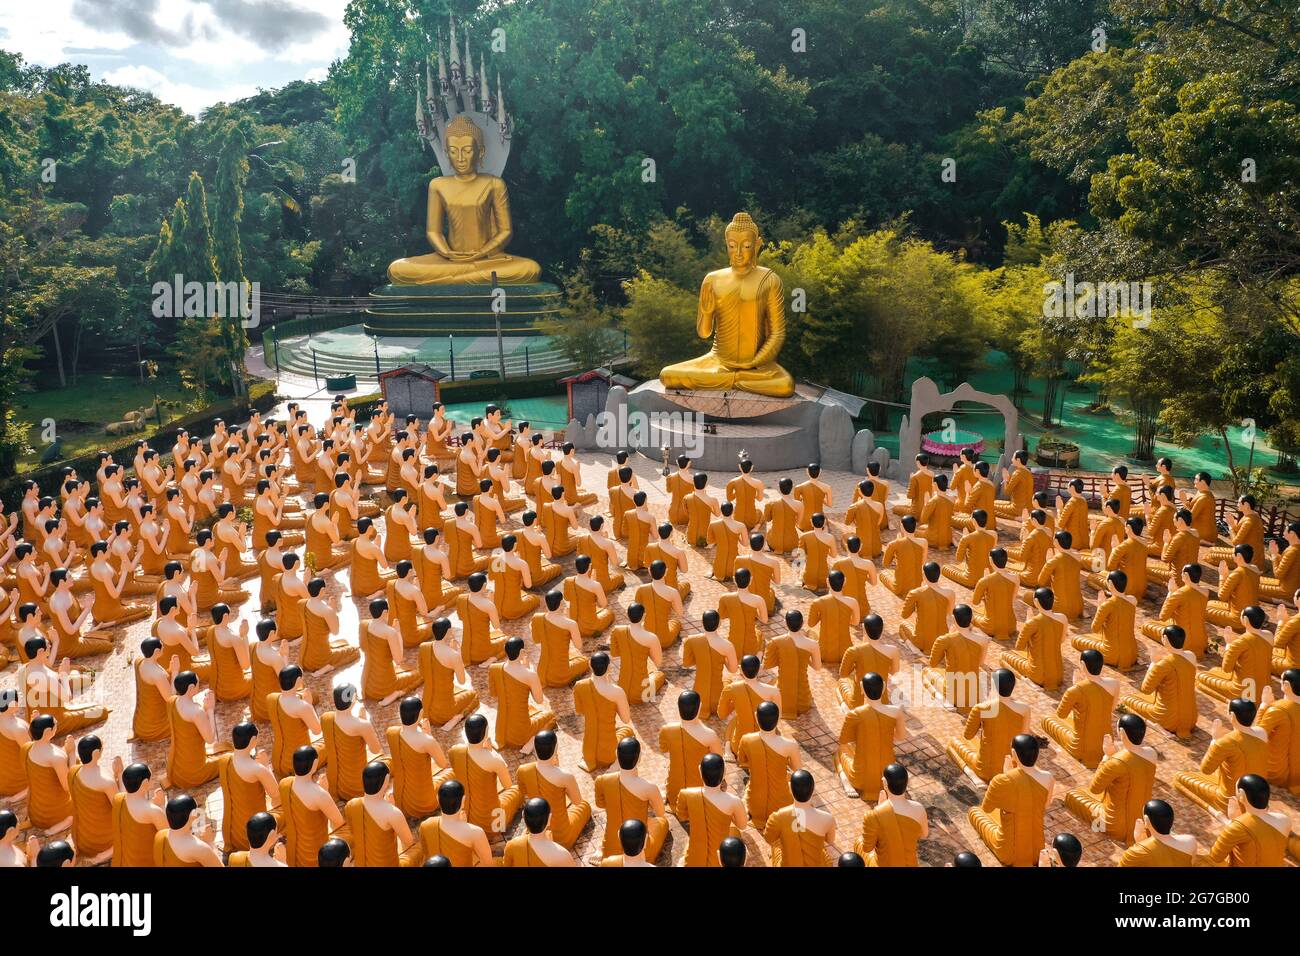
point(927, 398)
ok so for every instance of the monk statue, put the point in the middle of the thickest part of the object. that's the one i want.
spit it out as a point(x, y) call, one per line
point(743, 308)
point(469, 223)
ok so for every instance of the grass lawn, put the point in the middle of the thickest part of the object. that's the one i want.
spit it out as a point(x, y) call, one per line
point(80, 412)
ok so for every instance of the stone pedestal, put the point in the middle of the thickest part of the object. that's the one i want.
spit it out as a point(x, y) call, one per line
point(713, 428)
point(425, 310)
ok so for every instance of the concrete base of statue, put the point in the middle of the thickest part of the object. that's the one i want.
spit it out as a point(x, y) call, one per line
point(424, 310)
point(715, 428)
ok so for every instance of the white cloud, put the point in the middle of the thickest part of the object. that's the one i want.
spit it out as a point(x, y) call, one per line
point(192, 99)
point(192, 53)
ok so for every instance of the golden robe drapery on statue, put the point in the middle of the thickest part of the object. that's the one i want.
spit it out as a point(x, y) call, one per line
point(743, 308)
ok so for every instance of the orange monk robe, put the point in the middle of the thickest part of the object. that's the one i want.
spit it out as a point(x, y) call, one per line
point(240, 800)
point(415, 778)
point(1185, 607)
point(92, 816)
point(381, 675)
point(1280, 720)
point(866, 745)
point(560, 663)
point(1286, 645)
point(601, 566)
point(792, 842)
point(1153, 852)
point(1253, 840)
point(761, 579)
point(768, 789)
point(699, 513)
point(1113, 632)
point(638, 681)
point(306, 827)
point(1167, 695)
point(724, 536)
point(986, 738)
point(816, 561)
point(1028, 558)
point(621, 804)
point(920, 485)
point(813, 496)
point(519, 719)
point(1019, 490)
point(1010, 818)
point(132, 840)
point(189, 764)
point(288, 733)
point(709, 826)
point(859, 661)
point(620, 503)
point(443, 698)
point(488, 805)
point(996, 593)
point(658, 612)
point(680, 484)
point(1061, 573)
point(600, 728)
point(782, 525)
point(1037, 654)
point(480, 641)
point(708, 653)
point(568, 819)
point(1082, 720)
point(791, 657)
point(584, 607)
point(905, 555)
point(741, 700)
point(1074, 519)
point(1236, 593)
point(684, 752)
point(1181, 549)
point(639, 529)
point(345, 759)
point(833, 615)
point(953, 674)
point(855, 570)
point(374, 845)
point(150, 720)
point(1228, 759)
point(931, 608)
point(1119, 790)
point(865, 522)
point(745, 497)
point(889, 838)
point(972, 557)
point(935, 521)
point(1246, 670)
point(741, 618)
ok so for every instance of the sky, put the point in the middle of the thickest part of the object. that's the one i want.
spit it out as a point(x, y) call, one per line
point(191, 53)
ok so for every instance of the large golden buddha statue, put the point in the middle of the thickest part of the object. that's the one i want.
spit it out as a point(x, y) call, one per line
point(743, 308)
point(468, 223)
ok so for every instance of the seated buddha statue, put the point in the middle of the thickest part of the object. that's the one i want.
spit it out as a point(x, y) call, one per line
point(474, 210)
point(743, 308)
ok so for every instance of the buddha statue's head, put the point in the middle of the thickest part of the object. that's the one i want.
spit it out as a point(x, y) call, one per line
point(464, 145)
point(743, 242)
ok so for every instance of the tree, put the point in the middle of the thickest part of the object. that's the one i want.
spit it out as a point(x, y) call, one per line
point(585, 332)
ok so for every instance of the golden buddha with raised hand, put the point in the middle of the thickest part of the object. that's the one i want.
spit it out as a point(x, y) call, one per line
point(468, 223)
point(743, 308)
